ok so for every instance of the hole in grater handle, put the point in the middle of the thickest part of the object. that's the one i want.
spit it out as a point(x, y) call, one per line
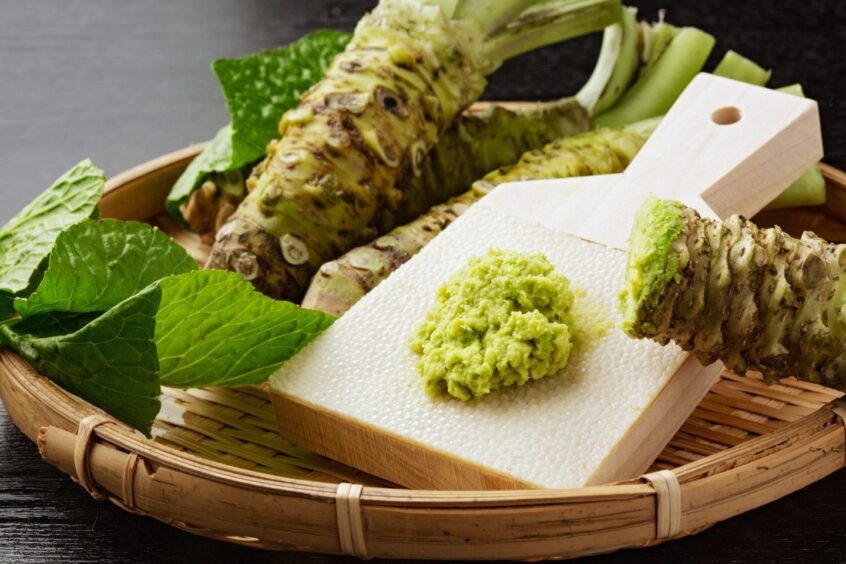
point(726, 115)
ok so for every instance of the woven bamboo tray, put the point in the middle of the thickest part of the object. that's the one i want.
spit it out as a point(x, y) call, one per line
point(216, 466)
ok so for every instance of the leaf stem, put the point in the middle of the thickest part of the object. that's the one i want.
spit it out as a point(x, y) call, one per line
point(808, 189)
point(616, 66)
point(738, 67)
point(552, 22)
point(491, 14)
point(655, 91)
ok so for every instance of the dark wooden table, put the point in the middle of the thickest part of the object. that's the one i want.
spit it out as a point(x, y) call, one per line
point(122, 82)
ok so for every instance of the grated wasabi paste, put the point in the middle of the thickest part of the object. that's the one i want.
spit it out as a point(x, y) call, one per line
point(502, 320)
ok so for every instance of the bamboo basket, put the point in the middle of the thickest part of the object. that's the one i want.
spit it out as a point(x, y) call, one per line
point(217, 467)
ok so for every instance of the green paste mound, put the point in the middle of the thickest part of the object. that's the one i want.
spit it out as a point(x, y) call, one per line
point(502, 320)
point(651, 263)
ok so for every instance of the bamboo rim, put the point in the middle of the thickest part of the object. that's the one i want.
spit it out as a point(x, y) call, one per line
point(258, 509)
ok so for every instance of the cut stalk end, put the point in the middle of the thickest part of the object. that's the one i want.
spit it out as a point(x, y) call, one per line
point(795, 89)
point(738, 67)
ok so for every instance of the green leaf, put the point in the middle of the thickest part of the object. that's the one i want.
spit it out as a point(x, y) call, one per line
point(216, 157)
point(96, 265)
point(27, 239)
point(54, 324)
point(258, 88)
point(214, 329)
point(109, 360)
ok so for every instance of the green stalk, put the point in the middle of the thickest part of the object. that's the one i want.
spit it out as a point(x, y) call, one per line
point(808, 189)
point(491, 14)
point(656, 39)
point(738, 67)
point(616, 66)
point(552, 22)
point(795, 89)
point(654, 93)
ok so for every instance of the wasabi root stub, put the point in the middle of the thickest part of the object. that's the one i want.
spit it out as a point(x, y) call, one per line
point(756, 299)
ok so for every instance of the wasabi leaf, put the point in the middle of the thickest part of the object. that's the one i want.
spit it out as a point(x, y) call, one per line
point(108, 360)
point(91, 320)
point(96, 265)
point(214, 329)
point(27, 239)
point(258, 88)
point(53, 324)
